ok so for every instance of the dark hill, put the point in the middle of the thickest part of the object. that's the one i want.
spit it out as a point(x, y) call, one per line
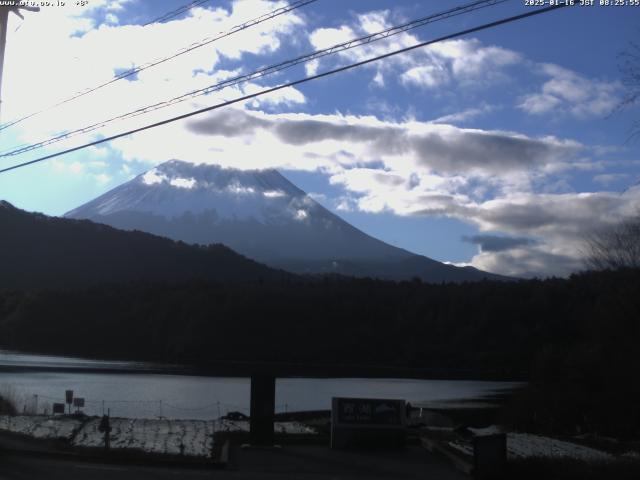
point(39, 251)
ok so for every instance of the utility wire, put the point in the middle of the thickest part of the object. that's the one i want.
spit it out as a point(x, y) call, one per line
point(358, 42)
point(134, 71)
point(176, 12)
point(293, 83)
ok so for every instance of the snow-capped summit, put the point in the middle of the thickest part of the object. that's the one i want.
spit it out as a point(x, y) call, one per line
point(261, 215)
point(175, 188)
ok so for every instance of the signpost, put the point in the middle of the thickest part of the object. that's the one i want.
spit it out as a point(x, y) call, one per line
point(68, 395)
point(78, 403)
point(105, 428)
point(368, 422)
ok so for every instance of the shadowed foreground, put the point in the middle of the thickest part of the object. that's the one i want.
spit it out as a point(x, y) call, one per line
point(302, 462)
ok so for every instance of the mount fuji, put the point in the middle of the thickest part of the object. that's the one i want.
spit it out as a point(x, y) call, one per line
point(261, 215)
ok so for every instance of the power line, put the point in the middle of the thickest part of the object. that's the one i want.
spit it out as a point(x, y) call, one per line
point(358, 42)
point(293, 83)
point(134, 71)
point(176, 12)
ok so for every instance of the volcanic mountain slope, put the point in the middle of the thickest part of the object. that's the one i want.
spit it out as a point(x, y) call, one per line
point(261, 215)
point(38, 251)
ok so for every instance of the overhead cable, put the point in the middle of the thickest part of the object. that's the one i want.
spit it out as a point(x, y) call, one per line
point(243, 98)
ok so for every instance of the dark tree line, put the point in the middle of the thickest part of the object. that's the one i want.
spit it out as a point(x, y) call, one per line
point(576, 340)
point(37, 251)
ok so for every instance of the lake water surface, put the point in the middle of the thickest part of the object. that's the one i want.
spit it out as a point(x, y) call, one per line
point(150, 395)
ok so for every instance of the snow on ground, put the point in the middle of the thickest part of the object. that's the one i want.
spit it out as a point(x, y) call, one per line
point(173, 437)
point(290, 428)
point(526, 445)
point(192, 438)
point(40, 426)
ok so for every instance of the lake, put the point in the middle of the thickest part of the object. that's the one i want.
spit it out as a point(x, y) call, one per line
point(149, 395)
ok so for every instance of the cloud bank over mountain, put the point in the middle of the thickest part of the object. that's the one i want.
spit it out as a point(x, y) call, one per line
point(473, 129)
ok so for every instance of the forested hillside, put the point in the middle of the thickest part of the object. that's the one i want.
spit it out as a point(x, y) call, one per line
point(576, 339)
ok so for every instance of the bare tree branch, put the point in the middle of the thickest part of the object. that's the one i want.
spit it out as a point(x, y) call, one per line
point(616, 248)
point(629, 66)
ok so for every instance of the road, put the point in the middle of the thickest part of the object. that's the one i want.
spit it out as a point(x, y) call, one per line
point(300, 462)
point(35, 468)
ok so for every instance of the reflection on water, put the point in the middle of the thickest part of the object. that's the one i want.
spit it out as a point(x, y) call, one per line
point(196, 397)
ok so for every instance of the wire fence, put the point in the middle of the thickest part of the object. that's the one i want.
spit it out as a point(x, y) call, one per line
point(37, 404)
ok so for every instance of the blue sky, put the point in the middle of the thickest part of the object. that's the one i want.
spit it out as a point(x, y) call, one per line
point(445, 151)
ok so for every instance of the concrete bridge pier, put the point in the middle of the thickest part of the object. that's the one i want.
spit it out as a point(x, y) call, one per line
point(263, 404)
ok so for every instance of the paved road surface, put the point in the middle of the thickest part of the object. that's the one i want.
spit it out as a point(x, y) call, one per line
point(303, 462)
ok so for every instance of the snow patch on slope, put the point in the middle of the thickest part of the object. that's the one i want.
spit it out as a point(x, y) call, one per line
point(152, 177)
point(273, 194)
point(187, 183)
point(175, 188)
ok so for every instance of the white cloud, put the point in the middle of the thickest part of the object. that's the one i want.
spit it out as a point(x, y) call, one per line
point(492, 179)
point(126, 170)
point(378, 80)
point(465, 115)
point(274, 193)
point(102, 178)
point(607, 179)
point(428, 76)
point(528, 262)
point(238, 189)
point(301, 215)
point(486, 178)
point(152, 177)
point(469, 58)
point(91, 170)
point(111, 19)
point(309, 142)
point(465, 62)
point(312, 67)
point(345, 204)
point(322, 38)
point(539, 103)
point(569, 93)
point(285, 96)
point(374, 22)
point(116, 5)
point(557, 224)
point(76, 167)
point(92, 55)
